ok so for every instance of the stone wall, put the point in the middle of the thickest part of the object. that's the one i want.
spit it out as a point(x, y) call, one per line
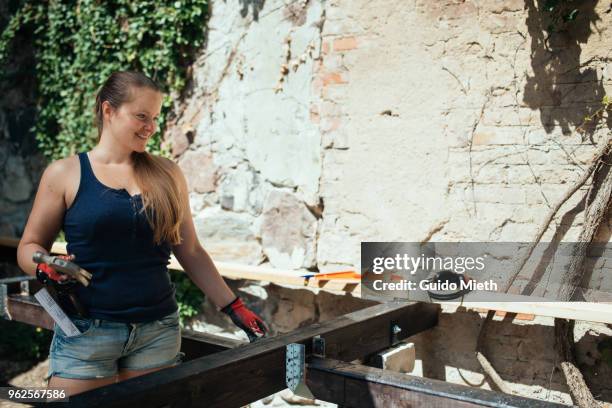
point(314, 126)
point(246, 138)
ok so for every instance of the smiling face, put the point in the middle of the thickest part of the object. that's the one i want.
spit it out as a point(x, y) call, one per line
point(135, 121)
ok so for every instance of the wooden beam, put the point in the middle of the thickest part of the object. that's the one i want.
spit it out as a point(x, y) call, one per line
point(593, 312)
point(230, 270)
point(18, 305)
point(353, 385)
point(256, 370)
point(587, 311)
point(198, 344)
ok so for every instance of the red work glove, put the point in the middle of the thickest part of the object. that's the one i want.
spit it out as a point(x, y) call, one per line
point(44, 272)
point(244, 318)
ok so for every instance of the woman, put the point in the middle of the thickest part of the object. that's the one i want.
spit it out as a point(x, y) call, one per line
point(123, 211)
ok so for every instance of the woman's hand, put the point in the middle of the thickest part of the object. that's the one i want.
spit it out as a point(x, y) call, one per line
point(246, 319)
point(44, 272)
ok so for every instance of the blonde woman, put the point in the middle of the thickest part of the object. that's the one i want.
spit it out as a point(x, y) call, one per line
point(123, 211)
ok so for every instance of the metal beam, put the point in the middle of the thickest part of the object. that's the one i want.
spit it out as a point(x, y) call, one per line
point(353, 385)
point(258, 370)
point(25, 309)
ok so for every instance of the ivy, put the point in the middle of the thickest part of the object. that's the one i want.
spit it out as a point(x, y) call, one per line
point(188, 296)
point(79, 43)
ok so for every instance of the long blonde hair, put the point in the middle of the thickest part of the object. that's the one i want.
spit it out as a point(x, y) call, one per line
point(157, 177)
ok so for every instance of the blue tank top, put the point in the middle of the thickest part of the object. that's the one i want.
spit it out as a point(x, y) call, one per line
point(113, 240)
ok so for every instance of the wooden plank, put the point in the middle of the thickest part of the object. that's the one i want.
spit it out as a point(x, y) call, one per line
point(256, 370)
point(355, 385)
point(232, 270)
point(590, 312)
point(593, 312)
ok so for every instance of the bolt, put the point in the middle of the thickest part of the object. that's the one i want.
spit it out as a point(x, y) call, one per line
point(396, 329)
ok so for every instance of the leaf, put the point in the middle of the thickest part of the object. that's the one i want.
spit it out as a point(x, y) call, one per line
point(76, 48)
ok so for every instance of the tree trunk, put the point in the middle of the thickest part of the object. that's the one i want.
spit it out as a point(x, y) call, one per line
point(564, 342)
point(597, 203)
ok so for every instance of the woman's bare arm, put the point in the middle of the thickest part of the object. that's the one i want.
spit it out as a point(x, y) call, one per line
point(195, 260)
point(45, 220)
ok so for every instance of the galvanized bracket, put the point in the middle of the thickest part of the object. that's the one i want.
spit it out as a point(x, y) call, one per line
point(4, 312)
point(24, 289)
point(295, 368)
point(318, 346)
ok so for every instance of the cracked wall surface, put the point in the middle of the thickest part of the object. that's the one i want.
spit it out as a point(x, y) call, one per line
point(449, 129)
point(374, 120)
point(387, 121)
point(246, 139)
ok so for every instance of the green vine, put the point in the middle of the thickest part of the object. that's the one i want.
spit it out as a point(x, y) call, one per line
point(591, 121)
point(188, 296)
point(78, 43)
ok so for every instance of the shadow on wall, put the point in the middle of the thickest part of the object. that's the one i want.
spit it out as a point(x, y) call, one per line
point(564, 90)
point(255, 5)
point(560, 80)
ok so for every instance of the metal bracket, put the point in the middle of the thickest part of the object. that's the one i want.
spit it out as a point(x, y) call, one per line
point(4, 313)
point(295, 368)
point(318, 346)
point(24, 289)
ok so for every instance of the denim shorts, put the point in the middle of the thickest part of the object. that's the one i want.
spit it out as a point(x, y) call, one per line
point(105, 347)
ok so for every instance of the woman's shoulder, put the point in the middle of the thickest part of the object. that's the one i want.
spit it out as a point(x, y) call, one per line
point(63, 173)
point(63, 167)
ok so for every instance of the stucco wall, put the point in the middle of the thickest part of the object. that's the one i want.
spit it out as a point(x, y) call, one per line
point(458, 125)
point(393, 121)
